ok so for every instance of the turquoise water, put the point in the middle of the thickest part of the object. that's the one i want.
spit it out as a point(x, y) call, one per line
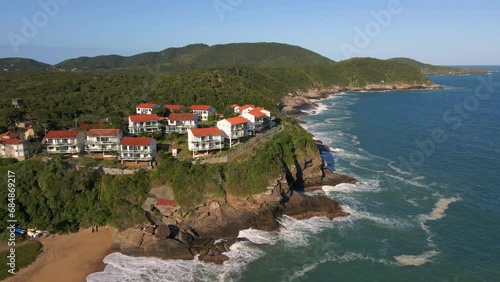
point(427, 207)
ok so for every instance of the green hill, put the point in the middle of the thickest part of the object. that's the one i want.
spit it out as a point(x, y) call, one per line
point(15, 64)
point(431, 69)
point(201, 56)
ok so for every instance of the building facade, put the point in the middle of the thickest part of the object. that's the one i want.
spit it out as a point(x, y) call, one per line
point(144, 123)
point(180, 123)
point(145, 108)
point(103, 140)
point(138, 149)
point(64, 141)
point(203, 111)
point(205, 139)
point(235, 128)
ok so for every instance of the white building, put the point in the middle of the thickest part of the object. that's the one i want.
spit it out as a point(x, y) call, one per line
point(180, 123)
point(138, 149)
point(103, 140)
point(146, 108)
point(205, 139)
point(203, 111)
point(235, 128)
point(144, 123)
point(11, 146)
point(64, 141)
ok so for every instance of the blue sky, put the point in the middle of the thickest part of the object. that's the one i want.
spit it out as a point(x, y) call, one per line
point(440, 32)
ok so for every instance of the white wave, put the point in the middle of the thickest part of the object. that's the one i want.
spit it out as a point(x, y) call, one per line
point(364, 215)
point(439, 209)
point(416, 260)
point(299, 232)
point(258, 236)
point(369, 186)
point(397, 169)
point(412, 182)
point(127, 269)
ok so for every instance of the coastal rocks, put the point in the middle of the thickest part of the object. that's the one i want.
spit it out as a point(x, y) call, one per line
point(301, 206)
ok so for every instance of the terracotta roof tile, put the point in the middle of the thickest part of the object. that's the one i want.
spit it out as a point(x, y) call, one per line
point(61, 134)
point(174, 107)
point(209, 131)
point(142, 118)
point(200, 107)
point(237, 120)
point(136, 141)
point(182, 117)
point(146, 105)
point(103, 132)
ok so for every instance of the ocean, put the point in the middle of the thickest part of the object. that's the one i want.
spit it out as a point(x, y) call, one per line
point(426, 208)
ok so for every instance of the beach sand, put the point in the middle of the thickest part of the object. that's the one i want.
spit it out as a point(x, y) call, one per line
point(68, 258)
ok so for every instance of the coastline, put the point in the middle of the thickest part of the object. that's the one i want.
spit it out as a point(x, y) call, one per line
point(68, 257)
point(294, 104)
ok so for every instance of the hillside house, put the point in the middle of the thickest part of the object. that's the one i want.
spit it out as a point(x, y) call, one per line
point(259, 119)
point(235, 128)
point(175, 108)
point(103, 140)
point(144, 123)
point(203, 111)
point(205, 139)
point(12, 146)
point(138, 149)
point(64, 141)
point(242, 109)
point(146, 108)
point(180, 123)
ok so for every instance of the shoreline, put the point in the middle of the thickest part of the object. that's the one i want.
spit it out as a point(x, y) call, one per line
point(68, 257)
point(295, 103)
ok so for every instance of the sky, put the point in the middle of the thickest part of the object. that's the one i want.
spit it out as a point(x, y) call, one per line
point(445, 32)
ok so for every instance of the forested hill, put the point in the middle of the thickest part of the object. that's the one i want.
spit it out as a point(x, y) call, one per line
point(16, 64)
point(202, 56)
point(431, 69)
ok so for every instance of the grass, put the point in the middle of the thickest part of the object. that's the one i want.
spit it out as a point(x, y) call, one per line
point(25, 255)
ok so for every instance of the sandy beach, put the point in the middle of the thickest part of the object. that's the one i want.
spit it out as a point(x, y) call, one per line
point(70, 257)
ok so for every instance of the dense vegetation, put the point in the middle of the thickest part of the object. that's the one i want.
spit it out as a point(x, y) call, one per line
point(202, 56)
point(16, 64)
point(431, 69)
point(58, 197)
point(25, 255)
point(246, 175)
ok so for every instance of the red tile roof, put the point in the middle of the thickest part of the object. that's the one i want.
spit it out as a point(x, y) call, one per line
point(103, 132)
point(136, 141)
point(146, 105)
point(165, 202)
point(9, 135)
point(174, 107)
point(237, 120)
point(256, 113)
point(200, 107)
point(234, 106)
point(209, 131)
point(61, 134)
point(11, 141)
point(140, 118)
point(242, 108)
point(182, 117)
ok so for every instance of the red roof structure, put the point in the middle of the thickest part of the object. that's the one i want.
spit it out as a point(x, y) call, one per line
point(146, 105)
point(182, 117)
point(103, 132)
point(165, 202)
point(234, 106)
point(136, 141)
point(9, 135)
point(200, 107)
point(237, 120)
point(174, 108)
point(61, 134)
point(11, 141)
point(209, 131)
point(142, 118)
point(256, 113)
point(242, 108)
